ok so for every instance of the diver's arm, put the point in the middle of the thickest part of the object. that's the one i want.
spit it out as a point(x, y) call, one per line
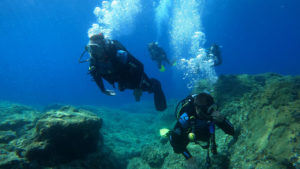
point(99, 81)
point(187, 155)
point(226, 126)
point(184, 123)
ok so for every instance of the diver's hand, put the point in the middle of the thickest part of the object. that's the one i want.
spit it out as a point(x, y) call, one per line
point(110, 92)
point(217, 117)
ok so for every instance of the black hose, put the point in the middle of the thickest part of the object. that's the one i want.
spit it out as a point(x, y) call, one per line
point(83, 61)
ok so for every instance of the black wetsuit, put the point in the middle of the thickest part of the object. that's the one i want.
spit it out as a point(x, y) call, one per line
point(128, 75)
point(200, 126)
point(124, 69)
point(158, 54)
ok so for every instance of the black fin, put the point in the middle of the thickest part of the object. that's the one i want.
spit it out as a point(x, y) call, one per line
point(159, 96)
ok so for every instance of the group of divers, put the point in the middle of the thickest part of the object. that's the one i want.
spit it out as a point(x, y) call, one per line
point(197, 115)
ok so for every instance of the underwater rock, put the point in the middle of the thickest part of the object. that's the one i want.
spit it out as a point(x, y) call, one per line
point(16, 121)
point(13, 124)
point(7, 108)
point(230, 88)
point(99, 160)
point(64, 135)
point(7, 136)
point(136, 163)
point(17, 118)
point(176, 161)
point(265, 107)
point(154, 156)
point(11, 161)
point(125, 132)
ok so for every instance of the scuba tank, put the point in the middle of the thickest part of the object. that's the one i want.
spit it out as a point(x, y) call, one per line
point(182, 103)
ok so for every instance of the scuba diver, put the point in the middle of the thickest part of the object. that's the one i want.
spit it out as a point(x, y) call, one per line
point(196, 120)
point(214, 52)
point(159, 55)
point(111, 61)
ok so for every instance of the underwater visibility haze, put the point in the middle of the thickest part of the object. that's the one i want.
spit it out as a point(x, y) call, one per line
point(258, 76)
point(41, 42)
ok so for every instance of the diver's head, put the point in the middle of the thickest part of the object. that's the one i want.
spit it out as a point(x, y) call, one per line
point(152, 45)
point(97, 37)
point(204, 104)
point(96, 46)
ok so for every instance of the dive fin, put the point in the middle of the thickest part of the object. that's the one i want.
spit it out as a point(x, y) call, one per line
point(162, 68)
point(159, 96)
point(174, 63)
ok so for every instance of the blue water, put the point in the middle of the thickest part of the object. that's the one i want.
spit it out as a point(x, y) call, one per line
point(41, 42)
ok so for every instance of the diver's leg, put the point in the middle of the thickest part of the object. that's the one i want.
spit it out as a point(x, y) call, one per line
point(143, 85)
point(179, 142)
point(159, 96)
point(146, 84)
point(159, 64)
point(153, 86)
point(137, 94)
point(168, 61)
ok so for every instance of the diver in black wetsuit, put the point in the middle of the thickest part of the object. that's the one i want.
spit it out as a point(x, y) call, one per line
point(158, 54)
point(111, 61)
point(197, 117)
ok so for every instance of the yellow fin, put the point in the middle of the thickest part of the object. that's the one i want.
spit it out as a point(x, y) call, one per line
point(164, 132)
point(162, 68)
point(174, 63)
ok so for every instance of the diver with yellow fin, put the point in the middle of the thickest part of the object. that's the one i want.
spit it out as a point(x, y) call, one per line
point(159, 55)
